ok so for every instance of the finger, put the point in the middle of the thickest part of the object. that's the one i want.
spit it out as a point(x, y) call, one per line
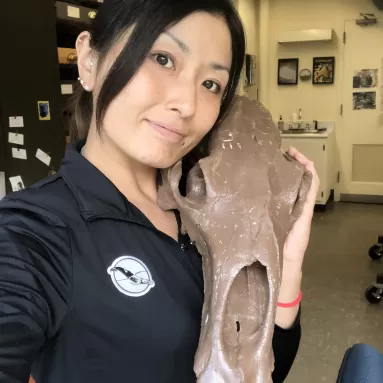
point(298, 156)
point(303, 197)
point(308, 164)
point(307, 197)
point(311, 196)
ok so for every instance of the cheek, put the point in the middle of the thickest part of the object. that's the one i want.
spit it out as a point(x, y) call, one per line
point(145, 88)
point(143, 91)
point(208, 112)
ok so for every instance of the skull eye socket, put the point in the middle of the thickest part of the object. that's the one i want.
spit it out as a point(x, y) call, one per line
point(195, 184)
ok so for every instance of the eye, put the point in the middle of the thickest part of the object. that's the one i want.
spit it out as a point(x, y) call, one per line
point(212, 86)
point(164, 60)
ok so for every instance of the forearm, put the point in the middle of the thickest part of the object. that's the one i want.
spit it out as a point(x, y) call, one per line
point(290, 289)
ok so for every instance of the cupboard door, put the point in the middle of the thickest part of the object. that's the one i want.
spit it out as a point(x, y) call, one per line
point(315, 150)
point(29, 73)
point(74, 14)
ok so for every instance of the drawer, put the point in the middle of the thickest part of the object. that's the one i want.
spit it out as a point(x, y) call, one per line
point(86, 3)
point(67, 55)
point(72, 14)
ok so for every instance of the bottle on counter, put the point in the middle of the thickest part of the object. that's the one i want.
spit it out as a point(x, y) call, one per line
point(281, 124)
point(300, 114)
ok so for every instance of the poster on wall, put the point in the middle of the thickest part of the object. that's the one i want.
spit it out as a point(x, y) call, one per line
point(44, 110)
point(365, 78)
point(323, 70)
point(288, 71)
point(364, 100)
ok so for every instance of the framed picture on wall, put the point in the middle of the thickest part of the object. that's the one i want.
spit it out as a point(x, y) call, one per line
point(323, 70)
point(288, 71)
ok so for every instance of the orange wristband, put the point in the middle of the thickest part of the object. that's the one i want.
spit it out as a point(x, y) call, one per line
point(292, 304)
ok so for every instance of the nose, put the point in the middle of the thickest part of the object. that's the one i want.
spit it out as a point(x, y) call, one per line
point(182, 98)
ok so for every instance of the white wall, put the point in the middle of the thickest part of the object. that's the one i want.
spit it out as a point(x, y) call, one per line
point(320, 102)
point(248, 11)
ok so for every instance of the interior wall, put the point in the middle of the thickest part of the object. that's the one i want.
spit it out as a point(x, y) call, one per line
point(319, 102)
point(248, 11)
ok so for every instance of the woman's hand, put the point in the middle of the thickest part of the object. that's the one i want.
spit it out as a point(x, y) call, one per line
point(297, 241)
point(295, 248)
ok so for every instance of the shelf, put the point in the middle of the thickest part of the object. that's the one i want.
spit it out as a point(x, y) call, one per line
point(305, 35)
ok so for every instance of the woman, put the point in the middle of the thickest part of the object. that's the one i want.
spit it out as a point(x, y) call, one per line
point(95, 282)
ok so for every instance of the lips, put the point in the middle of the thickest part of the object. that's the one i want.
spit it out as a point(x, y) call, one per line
point(166, 131)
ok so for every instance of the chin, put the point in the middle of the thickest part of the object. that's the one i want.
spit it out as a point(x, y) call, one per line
point(160, 162)
point(165, 164)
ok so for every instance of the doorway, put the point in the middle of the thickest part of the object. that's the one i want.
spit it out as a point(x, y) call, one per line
point(360, 138)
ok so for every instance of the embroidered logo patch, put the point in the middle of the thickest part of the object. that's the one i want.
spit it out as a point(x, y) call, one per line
point(131, 276)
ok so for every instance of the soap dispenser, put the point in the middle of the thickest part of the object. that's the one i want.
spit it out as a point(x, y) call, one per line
point(281, 124)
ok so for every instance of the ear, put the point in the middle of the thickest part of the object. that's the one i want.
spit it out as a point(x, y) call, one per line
point(86, 61)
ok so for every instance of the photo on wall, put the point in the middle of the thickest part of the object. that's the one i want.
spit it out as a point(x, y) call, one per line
point(365, 78)
point(323, 70)
point(364, 100)
point(288, 71)
point(16, 183)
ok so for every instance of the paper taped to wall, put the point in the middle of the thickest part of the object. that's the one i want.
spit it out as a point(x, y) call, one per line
point(43, 157)
point(20, 154)
point(2, 185)
point(16, 122)
point(17, 183)
point(16, 138)
point(66, 89)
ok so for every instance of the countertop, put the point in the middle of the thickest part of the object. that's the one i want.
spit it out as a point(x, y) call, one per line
point(325, 134)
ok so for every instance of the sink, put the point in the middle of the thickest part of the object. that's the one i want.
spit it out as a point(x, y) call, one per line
point(304, 131)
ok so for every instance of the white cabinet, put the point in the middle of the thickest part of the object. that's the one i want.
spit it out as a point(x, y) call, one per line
point(320, 150)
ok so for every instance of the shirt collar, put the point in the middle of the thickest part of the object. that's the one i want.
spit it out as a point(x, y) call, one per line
point(96, 195)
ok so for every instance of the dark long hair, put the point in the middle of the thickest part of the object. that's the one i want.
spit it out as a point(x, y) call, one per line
point(150, 18)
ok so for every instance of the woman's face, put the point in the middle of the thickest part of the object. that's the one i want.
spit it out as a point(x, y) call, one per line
point(175, 97)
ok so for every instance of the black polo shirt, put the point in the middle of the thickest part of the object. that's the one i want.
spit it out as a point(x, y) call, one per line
point(91, 291)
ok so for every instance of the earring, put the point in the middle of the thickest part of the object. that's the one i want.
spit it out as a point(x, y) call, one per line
point(86, 87)
point(91, 64)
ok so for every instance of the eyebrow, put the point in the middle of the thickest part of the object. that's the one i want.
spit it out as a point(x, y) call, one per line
point(216, 66)
point(184, 48)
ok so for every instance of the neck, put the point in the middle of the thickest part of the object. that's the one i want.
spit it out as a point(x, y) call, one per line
point(137, 182)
